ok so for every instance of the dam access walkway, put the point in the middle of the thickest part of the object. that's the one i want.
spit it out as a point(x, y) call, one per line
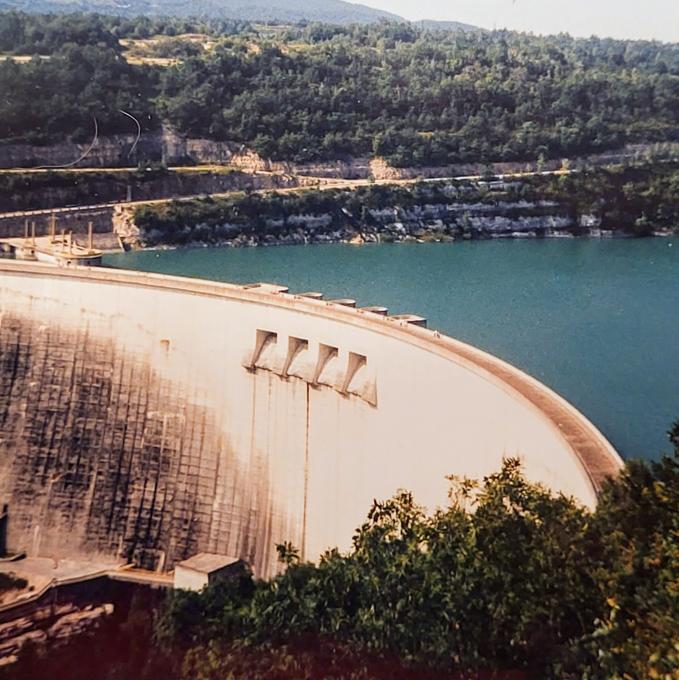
point(62, 250)
point(63, 598)
point(44, 573)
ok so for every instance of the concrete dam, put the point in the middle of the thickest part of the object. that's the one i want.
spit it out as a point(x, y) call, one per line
point(149, 418)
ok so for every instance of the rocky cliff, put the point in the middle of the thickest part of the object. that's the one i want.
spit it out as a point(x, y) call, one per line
point(168, 147)
point(455, 211)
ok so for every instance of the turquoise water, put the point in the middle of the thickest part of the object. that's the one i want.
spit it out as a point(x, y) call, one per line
point(596, 320)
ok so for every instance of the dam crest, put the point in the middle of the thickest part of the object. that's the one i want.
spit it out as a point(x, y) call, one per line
point(148, 418)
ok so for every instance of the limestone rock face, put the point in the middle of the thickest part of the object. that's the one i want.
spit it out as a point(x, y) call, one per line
point(108, 152)
point(124, 225)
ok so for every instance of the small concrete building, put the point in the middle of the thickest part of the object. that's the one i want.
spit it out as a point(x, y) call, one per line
point(204, 569)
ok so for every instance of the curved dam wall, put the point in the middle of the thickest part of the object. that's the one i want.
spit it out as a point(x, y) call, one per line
point(150, 417)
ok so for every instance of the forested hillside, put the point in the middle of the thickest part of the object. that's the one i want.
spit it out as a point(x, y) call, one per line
point(323, 92)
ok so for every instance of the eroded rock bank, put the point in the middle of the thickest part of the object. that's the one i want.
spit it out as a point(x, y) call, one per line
point(427, 223)
point(628, 202)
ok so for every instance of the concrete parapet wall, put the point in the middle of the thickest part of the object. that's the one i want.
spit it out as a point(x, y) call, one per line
point(150, 418)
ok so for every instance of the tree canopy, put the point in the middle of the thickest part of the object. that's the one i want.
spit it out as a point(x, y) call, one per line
point(319, 92)
point(508, 577)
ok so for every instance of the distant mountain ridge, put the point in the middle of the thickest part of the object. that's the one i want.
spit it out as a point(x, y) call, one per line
point(330, 11)
point(433, 25)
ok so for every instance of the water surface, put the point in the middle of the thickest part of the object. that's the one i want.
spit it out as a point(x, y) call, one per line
point(596, 320)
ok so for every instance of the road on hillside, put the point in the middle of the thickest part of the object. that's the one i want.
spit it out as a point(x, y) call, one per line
point(317, 183)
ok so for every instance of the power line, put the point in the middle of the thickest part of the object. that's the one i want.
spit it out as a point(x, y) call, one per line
point(87, 152)
point(136, 141)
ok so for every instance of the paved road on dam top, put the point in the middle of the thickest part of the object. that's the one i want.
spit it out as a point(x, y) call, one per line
point(597, 320)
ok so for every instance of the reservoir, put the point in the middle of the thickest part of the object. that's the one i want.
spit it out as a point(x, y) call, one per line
point(597, 320)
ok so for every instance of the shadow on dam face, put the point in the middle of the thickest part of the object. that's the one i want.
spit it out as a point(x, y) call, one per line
point(150, 418)
point(101, 455)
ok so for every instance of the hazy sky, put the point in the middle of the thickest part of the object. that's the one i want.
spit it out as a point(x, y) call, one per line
point(657, 19)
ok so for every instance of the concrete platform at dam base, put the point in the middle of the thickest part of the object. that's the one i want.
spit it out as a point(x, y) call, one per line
point(146, 418)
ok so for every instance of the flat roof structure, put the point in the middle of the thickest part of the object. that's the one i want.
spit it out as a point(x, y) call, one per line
point(208, 563)
point(204, 569)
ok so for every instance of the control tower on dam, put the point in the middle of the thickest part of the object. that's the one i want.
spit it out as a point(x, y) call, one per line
point(150, 418)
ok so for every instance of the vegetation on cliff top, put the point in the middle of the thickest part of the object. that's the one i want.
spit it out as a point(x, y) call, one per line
point(320, 92)
point(508, 578)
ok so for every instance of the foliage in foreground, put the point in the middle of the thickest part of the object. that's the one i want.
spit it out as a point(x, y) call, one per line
point(507, 582)
point(507, 578)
